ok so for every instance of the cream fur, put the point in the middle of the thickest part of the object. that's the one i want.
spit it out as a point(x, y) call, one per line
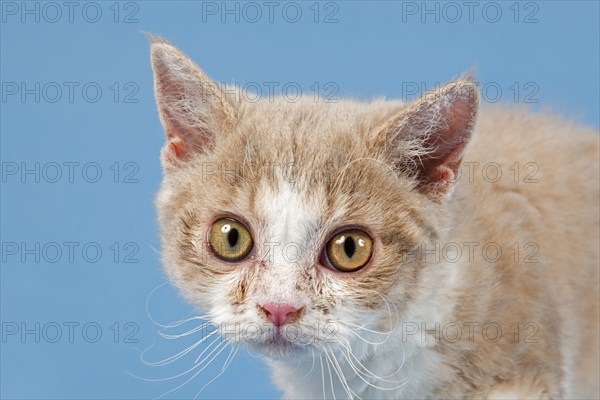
point(389, 167)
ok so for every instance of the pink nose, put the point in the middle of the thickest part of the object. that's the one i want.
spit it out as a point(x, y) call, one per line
point(281, 314)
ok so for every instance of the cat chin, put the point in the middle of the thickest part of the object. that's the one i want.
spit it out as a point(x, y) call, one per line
point(279, 349)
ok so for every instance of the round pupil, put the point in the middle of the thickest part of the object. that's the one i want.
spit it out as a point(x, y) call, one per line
point(232, 237)
point(349, 247)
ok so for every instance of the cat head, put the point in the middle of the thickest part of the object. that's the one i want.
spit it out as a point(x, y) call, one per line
point(290, 224)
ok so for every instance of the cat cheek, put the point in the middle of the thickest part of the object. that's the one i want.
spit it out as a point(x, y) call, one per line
point(238, 295)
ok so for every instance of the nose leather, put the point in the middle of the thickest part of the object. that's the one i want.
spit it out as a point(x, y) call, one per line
point(281, 314)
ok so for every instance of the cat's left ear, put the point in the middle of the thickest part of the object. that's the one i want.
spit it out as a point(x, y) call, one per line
point(193, 108)
point(426, 139)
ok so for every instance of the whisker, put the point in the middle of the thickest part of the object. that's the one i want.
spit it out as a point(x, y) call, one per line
point(322, 376)
point(330, 379)
point(368, 371)
point(362, 327)
point(187, 333)
point(360, 375)
point(204, 351)
point(173, 324)
point(197, 372)
point(174, 376)
point(312, 366)
point(177, 356)
point(340, 374)
point(154, 249)
point(230, 357)
point(363, 339)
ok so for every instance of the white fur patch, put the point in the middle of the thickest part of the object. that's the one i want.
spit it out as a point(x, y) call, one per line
point(287, 235)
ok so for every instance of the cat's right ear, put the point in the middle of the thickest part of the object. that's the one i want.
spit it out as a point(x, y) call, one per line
point(192, 107)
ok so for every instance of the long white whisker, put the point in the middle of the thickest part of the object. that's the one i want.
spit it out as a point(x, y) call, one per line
point(368, 371)
point(330, 379)
point(190, 369)
point(187, 333)
point(174, 376)
point(363, 339)
point(177, 356)
point(342, 377)
point(177, 323)
point(197, 372)
point(204, 351)
point(363, 328)
point(369, 383)
point(313, 364)
point(342, 382)
point(183, 321)
point(230, 357)
point(322, 376)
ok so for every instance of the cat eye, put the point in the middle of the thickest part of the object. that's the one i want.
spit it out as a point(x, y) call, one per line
point(230, 239)
point(349, 250)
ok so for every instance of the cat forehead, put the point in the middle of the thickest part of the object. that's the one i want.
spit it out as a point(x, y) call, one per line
point(289, 213)
point(281, 117)
point(279, 149)
point(302, 133)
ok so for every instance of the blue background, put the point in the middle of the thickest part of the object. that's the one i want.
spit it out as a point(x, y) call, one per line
point(550, 51)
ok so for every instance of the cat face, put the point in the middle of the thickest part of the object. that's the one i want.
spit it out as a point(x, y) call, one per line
point(291, 225)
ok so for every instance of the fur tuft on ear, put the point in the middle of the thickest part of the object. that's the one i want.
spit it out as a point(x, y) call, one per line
point(427, 138)
point(192, 107)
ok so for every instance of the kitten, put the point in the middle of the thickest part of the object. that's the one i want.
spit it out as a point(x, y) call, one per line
point(346, 243)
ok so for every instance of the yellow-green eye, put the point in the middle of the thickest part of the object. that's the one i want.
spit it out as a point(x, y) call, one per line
point(230, 239)
point(349, 250)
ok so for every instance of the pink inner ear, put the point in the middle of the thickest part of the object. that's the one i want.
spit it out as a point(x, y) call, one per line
point(175, 149)
point(181, 140)
point(440, 167)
